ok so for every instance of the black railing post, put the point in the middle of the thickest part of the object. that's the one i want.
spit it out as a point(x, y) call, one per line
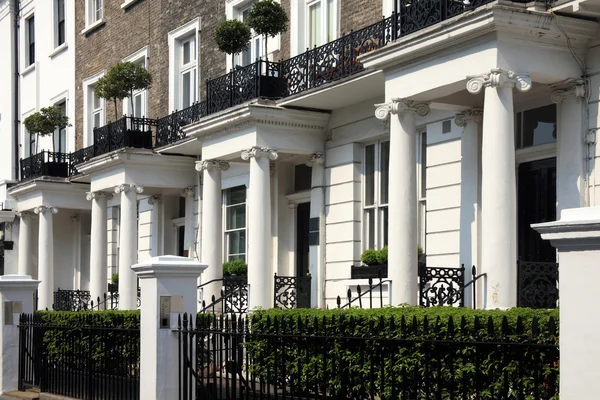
point(231, 87)
point(474, 284)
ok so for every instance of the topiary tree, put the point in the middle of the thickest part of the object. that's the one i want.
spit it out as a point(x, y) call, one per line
point(46, 122)
point(369, 257)
point(267, 18)
point(235, 267)
point(121, 81)
point(232, 37)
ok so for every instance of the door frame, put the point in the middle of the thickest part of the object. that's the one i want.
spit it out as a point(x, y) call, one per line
point(293, 201)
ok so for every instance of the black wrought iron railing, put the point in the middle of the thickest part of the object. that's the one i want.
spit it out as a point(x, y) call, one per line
point(71, 300)
point(234, 296)
point(372, 297)
point(79, 157)
point(168, 129)
point(292, 291)
point(45, 163)
point(127, 132)
point(537, 284)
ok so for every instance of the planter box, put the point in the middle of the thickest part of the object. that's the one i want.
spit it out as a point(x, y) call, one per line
point(272, 87)
point(368, 271)
point(138, 139)
point(57, 169)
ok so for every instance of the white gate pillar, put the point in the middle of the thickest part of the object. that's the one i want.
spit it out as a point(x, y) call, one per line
point(168, 288)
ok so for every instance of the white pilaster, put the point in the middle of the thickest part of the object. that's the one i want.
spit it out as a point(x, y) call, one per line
point(128, 245)
point(76, 251)
point(46, 257)
point(317, 212)
point(470, 121)
point(188, 239)
point(156, 217)
point(168, 285)
point(98, 244)
point(498, 187)
point(570, 149)
point(212, 228)
point(260, 274)
point(25, 250)
point(402, 206)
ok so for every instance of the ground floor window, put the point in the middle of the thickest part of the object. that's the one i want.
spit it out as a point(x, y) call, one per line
point(375, 195)
point(234, 200)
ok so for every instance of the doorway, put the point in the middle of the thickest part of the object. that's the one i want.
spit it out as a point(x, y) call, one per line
point(302, 248)
point(536, 203)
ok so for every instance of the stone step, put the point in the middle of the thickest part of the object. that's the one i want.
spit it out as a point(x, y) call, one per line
point(23, 395)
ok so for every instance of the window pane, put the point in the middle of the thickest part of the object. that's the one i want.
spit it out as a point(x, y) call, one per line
point(96, 120)
point(194, 87)
point(384, 172)
point(384, 224)
point(302, 177)
point(185, 92)
point(539, 126)
point(424, 164)
point(369, 225)
point(235, 195)
point(314, 27)
point(236, 217)
point(98, 10)
point(370, 175)
point(186, 53)
point(95, 101)
point(31, 40)
point(332, 15)
point(236, 243)
point(60, 22)
point(137, 105)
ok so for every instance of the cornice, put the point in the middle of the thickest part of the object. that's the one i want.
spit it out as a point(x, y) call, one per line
point(252, 115)
point(48, 186)
point(128, 158)
point(502, 18)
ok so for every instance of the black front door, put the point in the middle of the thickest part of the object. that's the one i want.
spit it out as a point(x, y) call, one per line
point(536, 203)
point(302, 220)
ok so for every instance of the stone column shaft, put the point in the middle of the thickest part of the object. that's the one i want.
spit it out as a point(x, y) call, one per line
point(128, 245)
point(260, 274)
point(98, 245)
point(317, 210)
point(25, 250)
point(46, 257)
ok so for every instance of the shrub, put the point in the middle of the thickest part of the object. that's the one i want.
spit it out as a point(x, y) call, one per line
point(352, 348)
point(232, 37)
point(115, 278)
point(369, 257)
point(267, 18)
point(235, 267)
point(46, 121)
point(382, 256)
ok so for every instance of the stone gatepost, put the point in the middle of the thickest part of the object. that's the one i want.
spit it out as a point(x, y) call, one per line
point(16, 294)
point(576, 236)
point(168, 288)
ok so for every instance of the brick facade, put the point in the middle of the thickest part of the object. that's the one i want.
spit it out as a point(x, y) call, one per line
point(356, 14)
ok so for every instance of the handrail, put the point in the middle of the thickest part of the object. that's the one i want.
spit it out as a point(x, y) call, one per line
point(206, 283)
point(361, 293)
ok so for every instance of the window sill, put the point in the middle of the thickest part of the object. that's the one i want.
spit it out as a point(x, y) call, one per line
point(93, 26)
point(28, 70)
point(128, 3)
point(59, 50)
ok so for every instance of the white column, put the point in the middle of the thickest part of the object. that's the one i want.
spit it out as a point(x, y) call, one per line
point(46, 257)
point(76, 251)
point(212, 228)
point(317, 217)
point(156, 230)
point(16, 296)
point(98, 245)
point(469, 191)
point(128, 245)
point(498, 185)
point(188, 239)
point(402, 206)
point(25, 250)
point(260, 273)
point(570, 149)
point(168, 285)
point(293, 222)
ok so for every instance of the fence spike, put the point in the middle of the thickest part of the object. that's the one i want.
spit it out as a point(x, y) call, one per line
point(185, 321)
point(415, 324)
point(505, 328)
point(463, 327)
point(490, 327)
point(476, 326)
point(534, 327)
point(519, 328)
point(552, 327)
point(402, 327)
point(425, 325)
point(339, 302)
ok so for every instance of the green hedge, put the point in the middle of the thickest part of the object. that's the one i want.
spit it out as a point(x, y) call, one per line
point(110, 339)
point(394, 352)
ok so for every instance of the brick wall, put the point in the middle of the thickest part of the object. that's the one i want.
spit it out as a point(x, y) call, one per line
point(356, 14)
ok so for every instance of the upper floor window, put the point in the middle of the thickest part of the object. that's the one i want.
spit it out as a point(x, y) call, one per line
point(138, 105)
point(59, 23)
point(60, 136)
point(97, 110)
point(375, 195)
point(183, 65)
point(95, 11)
point(188, 72)
point(536, 126)
point(235, 223)
point(30, 39)
point(29, 143)
point(94, 109)
point(321, 19)
point(254, 50)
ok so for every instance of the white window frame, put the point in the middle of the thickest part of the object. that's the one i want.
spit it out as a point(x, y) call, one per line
point(66, 129)
point(421, 188)
point(226, 231)
point(378, 206)
point(92, 9)
point(299, 20)
point(26, 138)
point(88, 115)
point(177, 37)
point(55, 31)
point(28, 61)
point(140, 56)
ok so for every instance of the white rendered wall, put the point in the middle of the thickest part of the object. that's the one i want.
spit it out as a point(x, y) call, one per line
point(593, 150)
point(6, 100)
point(144, 230)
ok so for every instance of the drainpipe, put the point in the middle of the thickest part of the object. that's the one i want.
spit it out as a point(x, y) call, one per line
point(15, 10)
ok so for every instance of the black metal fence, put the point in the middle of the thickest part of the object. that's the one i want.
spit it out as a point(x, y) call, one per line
point(234, 296)
point(90, 363)
point(292, 291)
point(128, 131)
point(45, 163)
point(537, 284)
point(396, 359)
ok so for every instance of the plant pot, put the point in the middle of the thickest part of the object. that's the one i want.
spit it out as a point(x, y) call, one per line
point(138, 139)
point(272, 87)
point(368, 271)
point(56, 169)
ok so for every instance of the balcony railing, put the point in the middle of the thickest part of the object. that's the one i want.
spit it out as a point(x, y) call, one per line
point(168, 129)
point(45, 163)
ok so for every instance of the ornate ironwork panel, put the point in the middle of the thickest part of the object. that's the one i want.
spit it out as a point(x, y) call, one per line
point(244, 83)
point(71, 300)
point(235, 294)
point(79, 157)
point(292, 292)
point(110, 137)
point(295, 72)
point(32, 167)
point(169, 128)
point(441, 286)
point(218, 93)
point(538, 284)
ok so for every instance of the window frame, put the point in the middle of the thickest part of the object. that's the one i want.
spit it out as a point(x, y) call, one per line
point(94, 12)
point(255, 48)
point(328, 33)
point(226, 231)
point(520, 123)
point(30, 40)
point(176, 38)
point(88, 103)
point(378, 209)
point(190, 68)
point(58, 134)
point(60, 25)
point(140, 56)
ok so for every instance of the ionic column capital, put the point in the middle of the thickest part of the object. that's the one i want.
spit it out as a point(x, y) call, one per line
point(473, 115)
point(398, 106)
point(43, 209)
point(152, 200)
point(575, 91)
point(258, 152)
point(98, 195)
point(188, 192)
point(126, 187)
point(496, 78)
point(25, 214)
point(209, 165)
point(315, 158)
